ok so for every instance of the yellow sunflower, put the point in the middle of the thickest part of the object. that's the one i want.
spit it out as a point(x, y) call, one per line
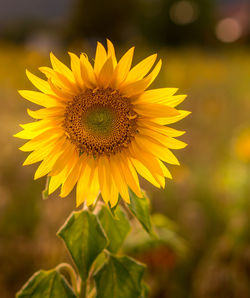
point(99, 127)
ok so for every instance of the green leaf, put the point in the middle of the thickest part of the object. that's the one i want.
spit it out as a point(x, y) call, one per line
point(84, 238)
point(120, 277)
point(112, 209)
point(46, 284)
point(116, 228)
point(141, 209)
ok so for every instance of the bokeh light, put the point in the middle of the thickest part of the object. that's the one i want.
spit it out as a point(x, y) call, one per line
point(228, 30)
point(183, 12)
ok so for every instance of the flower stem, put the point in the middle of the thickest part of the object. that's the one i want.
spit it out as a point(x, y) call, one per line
point(83, 289)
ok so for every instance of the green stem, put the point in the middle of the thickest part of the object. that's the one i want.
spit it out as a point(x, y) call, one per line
point(71, 272)
point(83, 289)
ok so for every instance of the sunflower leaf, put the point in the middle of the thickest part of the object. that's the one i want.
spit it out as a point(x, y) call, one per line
point(112, 209)
point(116, 228)
point(120, 277)
point(46, 284)
point(84, 238)
point(141, 210)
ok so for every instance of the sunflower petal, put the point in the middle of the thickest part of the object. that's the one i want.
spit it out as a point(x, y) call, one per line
point(123, 67)
point(160, 95)
point(170, 120)
point(76, 68)
point(59, 80)
point(39, 98)
point(47, 113)
point(39, 83)
point(159, 151)
point(87, 72)
point(61, 68)
point(106, 73)
point(163, 140)
point(83, 184)
point(38, 141)
point(100, 58)
point(167, 131)
point(73, 176)
point(141, 69)
point(111, 52)
point(155, 110)
point(47, 164)
point(119, 178)
point(133, 89)
point(144, 172)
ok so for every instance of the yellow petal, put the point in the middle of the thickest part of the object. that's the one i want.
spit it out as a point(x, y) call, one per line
point(87, 72)
point(114, 194)
point(119, 179)
point(131, 176)
point(76, 68)
point(47, 113)
point(167, 131)
point(39, 98)
point(161, 139)
point(83, 184)
point(133, 89)
point(154, 73)
point(108, 188)
point(161, 95)
point(47, 164)
point(73, 176)
point(155, 110)
point(61, 92)
point(105, 74)
point(38, 154)
point(94, 187)
point(104, 180)
point(159, 151)
point(45, 137)
point(61, 68)
point(149, 161)
point(144, 172)
point(165, 170)
point(123, 67)
point(59, 80)
point(56, 181)
point(68, 156)
point(141, 69)
point(170, 120)
point(100, 58)
point(175, 100)
point(33, 130)
point(111, 52)
point(39, 83)
point(38, 126)
point(43, 151)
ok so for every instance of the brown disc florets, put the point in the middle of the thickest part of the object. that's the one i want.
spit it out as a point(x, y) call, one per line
point(100, 121)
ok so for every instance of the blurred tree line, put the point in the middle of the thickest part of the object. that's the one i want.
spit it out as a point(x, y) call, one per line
point(172, 22)
point(148, 20)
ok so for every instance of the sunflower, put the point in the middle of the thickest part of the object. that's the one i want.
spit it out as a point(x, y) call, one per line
point(99, 127)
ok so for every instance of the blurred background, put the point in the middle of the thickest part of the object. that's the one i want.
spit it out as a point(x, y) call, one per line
point(205, 211)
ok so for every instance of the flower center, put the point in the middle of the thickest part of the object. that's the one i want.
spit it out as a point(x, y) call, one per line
point(100, 121)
